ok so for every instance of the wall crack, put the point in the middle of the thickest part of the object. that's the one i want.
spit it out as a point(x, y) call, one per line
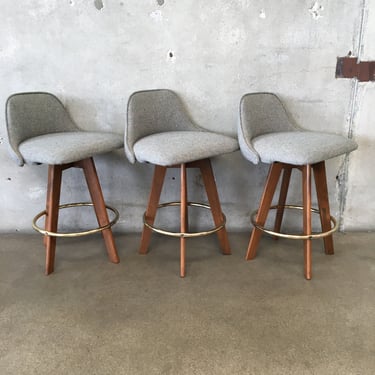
point(354, 104)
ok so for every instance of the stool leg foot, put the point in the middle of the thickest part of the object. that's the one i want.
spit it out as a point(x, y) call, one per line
point(156, 188)
point(306, 191)
point(323, 202)
point(213, 199)
point(99, 206)
point(265, 204)
point(52, 209)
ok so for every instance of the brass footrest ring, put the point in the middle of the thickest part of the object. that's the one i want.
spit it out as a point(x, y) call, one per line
point(184, 234)
point(74, 234)
point(295, 236)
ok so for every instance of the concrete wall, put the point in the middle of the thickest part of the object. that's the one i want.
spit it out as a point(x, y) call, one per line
point(359, 209)
point(94, 54)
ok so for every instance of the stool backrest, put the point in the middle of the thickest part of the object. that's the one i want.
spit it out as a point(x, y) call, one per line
point(260, 113)
point(154, 111)
point(32, 114)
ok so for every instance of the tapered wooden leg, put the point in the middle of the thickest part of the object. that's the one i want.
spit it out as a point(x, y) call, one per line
point(99, 206)
point(157, 185)
point(265, 204)
point(306, 192)
point(213, 199)
point(52, 208)
point(323, 202)
point(183, 221)
point(282, 198)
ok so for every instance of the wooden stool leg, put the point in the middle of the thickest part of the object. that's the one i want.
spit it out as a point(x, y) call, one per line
point(52, 208)
point(99, 206)
point(282, 199)
point(265, 204)
point(213, 199)
point(323, 202)
point(306, 191)
point(183, 220)
point(157, 185)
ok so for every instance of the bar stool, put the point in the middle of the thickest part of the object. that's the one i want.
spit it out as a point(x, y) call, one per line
point(160, 132)
point(267, 135)
point(41, 131)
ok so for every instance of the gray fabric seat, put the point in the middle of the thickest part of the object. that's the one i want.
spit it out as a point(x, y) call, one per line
point(171, 148)
point(159, 131)
point(67, 147)
point(267, 134)
point(301, 147)
point(41, 131)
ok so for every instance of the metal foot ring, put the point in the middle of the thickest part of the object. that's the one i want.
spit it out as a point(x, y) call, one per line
point(295, 236)
point(74, 234)
point(184, 234)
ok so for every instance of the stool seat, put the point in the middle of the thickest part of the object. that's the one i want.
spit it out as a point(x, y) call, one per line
point(68, 147)
point(301, 147)
point(177, 147)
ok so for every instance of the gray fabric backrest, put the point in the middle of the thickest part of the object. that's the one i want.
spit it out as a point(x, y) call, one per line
point(154, 111)
point(32, 114)
point(260, 113)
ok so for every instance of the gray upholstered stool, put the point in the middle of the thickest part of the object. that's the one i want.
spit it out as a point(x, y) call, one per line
point(266, 135)
point(41, 131)
point(160, 132)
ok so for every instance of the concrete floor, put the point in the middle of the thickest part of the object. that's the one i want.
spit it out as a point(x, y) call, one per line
point(228, 316)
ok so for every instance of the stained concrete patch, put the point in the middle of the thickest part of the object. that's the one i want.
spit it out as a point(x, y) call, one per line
point(99, 4)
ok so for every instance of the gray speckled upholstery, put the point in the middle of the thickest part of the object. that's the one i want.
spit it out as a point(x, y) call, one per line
point(159, 131)
point(266, 134)
point(301, 147)
point(40, 130)
point(47, 149)
point(170, 148)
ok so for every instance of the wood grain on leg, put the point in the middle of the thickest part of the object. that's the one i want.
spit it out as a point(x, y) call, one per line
point(52, 208)
point(265, 204)
point(213, 199)
point(282, 198)
point(306, 192)
point(183, 221)
point(99, 206)
point(323, 202)
point(153, 202)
